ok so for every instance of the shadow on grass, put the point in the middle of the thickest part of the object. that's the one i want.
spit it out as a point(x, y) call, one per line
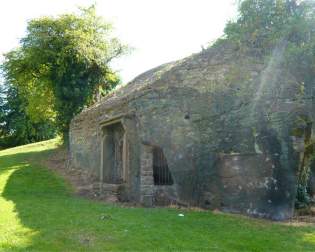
point(11, 161)
point(43, 203)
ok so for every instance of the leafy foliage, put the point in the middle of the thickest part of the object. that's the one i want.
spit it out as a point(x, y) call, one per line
point(262, 23)
point(303, 198)
point(16, 127)
point(61, 63)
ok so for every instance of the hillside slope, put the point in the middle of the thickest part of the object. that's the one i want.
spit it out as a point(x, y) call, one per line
point(38, 212)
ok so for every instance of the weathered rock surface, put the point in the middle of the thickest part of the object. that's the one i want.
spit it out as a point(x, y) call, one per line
point(224, 120)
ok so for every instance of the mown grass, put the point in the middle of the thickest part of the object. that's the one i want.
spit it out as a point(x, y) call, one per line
point(39, 213)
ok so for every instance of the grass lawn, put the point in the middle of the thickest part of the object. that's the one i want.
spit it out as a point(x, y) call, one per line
point(38, 212)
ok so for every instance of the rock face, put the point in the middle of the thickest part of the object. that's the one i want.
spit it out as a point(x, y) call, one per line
point(215, 130)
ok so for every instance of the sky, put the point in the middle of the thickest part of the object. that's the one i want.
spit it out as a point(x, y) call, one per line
point(159, 31)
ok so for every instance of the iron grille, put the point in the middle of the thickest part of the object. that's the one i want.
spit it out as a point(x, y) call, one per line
point(161, 172)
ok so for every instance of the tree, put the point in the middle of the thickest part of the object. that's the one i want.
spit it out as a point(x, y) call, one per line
point(262, 23)
point(16, 127)
point(61, 63)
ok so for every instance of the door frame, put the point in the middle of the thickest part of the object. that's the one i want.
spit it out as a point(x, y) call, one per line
point(103, 125)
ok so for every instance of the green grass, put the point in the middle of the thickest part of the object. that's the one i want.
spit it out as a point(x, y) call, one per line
point(39, 213)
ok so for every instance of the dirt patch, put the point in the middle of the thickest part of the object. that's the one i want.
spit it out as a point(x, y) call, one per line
point(304, 216)
point(83, 183)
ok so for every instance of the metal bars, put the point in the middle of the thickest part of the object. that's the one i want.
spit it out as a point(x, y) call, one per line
point(161, 172)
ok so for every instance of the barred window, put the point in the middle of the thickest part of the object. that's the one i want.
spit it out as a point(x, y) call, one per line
point(161, 172)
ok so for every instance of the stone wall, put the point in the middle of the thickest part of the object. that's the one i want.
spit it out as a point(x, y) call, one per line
point(146, 176)
point(224, 122)
point(85, 142)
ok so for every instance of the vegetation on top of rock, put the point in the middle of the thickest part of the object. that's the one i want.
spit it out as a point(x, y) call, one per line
point(264, 26)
